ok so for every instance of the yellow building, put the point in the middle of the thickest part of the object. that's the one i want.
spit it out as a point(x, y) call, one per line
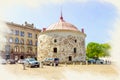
point(21, 41)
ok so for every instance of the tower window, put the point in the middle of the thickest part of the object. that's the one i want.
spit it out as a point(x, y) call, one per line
point(74, 50)
point(55, 40)
point(75, 41)
point(55, 50)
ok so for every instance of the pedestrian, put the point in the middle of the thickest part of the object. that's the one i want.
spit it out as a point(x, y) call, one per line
point(23, 66)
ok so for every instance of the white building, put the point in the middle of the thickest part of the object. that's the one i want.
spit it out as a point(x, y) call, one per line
point(62, 40)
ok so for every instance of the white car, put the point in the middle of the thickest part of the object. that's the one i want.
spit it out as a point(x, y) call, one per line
point(3, 61)
point(31, 62)
point(100, 61)
point(21, 61)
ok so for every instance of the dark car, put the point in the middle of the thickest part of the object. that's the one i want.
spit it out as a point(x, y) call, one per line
point(31, 62)
point(11, 61)
point(51, 61)
point(100, 61)
point(91, 61)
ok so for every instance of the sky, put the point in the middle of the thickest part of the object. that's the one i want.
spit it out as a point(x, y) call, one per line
point(97, 17)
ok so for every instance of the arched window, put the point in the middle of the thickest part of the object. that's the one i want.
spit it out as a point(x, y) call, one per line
point(21, 49)
point(22, 41)
point(16, 40)
point(55, 50)
point(16, 49)
point(27, 42)
point(29, 49)
point(11, 40)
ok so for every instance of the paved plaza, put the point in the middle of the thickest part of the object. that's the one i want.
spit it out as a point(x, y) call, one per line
point(56, 73)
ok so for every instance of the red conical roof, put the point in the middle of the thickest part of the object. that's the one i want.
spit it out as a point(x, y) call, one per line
point(62, 25)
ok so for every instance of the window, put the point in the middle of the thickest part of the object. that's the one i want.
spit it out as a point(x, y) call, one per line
point(12, 31)
point(22, 41)
point(29, 49)
point(27, 42)
point(36, 43)
point(55, 40)
point(22, 33)
point(16, 32)
point(16, 48)
point(16, 40)
point(35, 36)
point(21, 49)
point(30, 35)
point(74, 50)
point(70, 58)
point(30, 42)
point(55, 50)
point(75, 41)
point(10, 39)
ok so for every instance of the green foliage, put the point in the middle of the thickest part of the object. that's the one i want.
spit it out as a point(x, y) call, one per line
point(96, 50)
point(105, 49)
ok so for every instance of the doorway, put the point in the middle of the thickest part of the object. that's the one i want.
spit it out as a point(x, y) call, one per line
point(21, 57)
point(70, 58)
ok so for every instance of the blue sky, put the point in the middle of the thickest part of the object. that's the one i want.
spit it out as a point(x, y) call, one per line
point(96, 17)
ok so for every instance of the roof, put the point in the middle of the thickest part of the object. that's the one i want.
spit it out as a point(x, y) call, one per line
point(62, 25)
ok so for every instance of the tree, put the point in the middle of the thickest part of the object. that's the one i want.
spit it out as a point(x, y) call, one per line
point(96, 50)
point(93, 50)
point(105, 49)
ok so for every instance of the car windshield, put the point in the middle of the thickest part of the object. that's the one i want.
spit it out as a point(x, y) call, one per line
point(31, 59)
point(56, 59)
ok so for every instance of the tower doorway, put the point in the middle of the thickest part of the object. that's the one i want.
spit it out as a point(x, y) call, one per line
point(70, 58)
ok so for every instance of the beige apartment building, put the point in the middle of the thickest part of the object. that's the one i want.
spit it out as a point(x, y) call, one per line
point(21, 41)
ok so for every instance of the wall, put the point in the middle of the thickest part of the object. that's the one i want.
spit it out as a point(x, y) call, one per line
point(65, 43)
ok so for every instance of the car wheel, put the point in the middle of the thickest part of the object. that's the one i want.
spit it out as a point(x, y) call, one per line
point(51, 64)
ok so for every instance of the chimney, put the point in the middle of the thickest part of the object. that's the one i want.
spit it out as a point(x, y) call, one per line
point(82, 30)
point(25, 22)
point(44, 29)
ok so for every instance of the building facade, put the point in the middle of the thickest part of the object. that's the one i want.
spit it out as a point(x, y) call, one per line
point(21, 41)
point(62, 40)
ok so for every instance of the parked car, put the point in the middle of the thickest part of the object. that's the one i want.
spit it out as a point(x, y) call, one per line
point(21, 61)
point(51, 61)
point(91, 61)
point(31, 62)
point(3, 61)
point(100, 61)
point(11, 61)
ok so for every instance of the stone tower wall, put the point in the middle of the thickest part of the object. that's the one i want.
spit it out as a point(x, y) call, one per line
point(65, 42)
